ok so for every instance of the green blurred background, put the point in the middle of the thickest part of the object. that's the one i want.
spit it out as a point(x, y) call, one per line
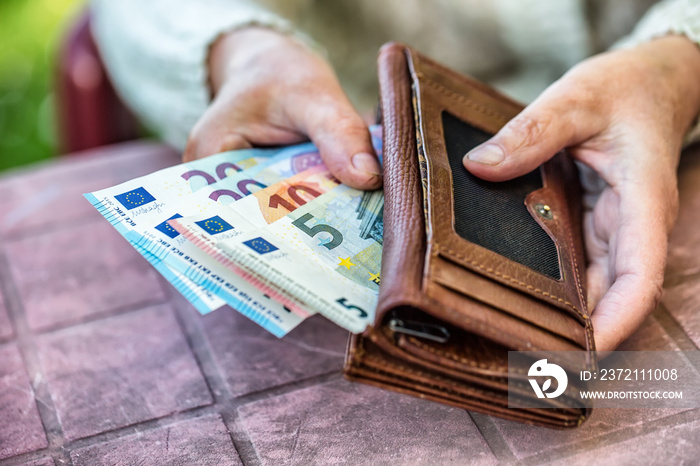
point(30, 31)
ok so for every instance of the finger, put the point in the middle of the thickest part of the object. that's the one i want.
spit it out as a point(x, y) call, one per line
point(597, 282)
point(211, 142)
point(597, 231)
point(343, 140)
point(637, 262)
point(347, 151)
point(623, 309)
point(230, 124)
point(554, 121)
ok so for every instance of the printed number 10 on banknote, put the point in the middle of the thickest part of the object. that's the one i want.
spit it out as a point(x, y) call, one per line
point(140, 208)
point(325, 254)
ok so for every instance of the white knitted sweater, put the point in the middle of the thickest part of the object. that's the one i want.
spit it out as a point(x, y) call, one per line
point(156, 50)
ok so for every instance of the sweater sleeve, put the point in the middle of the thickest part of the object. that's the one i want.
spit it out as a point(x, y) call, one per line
point(680, 17)
point(156, 54)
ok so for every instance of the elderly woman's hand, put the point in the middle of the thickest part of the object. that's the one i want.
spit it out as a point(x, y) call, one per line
point(271, 90)
point(623, 114)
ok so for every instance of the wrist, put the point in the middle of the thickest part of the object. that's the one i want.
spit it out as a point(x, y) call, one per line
point(679, 63)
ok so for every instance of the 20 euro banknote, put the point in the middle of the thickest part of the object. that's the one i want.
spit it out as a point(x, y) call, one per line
point(140, 208)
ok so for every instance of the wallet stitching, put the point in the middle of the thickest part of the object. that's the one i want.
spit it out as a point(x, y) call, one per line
point(490, 271)
point(457, 358)
point(476, 106)
point(580, 292)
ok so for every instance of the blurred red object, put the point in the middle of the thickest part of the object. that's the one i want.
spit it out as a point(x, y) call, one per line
point(90, 114)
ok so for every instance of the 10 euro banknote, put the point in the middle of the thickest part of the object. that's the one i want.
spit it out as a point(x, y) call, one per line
point(262, 187)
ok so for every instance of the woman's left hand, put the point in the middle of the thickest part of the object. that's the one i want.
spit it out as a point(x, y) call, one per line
point(624, 115)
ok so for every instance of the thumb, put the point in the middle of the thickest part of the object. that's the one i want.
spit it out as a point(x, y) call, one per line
point(528, 140)
point(346, 149)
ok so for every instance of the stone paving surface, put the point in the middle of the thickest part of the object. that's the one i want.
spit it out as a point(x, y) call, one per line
point(336, 423)
point(53, 297)
point(205, 439)
point(20, 426)
point(102, 362)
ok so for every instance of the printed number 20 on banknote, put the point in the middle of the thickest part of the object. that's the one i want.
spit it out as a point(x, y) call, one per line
point(142, 207)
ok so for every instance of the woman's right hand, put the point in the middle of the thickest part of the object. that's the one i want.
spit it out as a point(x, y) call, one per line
point(270, 89)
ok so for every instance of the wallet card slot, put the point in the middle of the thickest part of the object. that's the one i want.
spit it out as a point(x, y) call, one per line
point(469, 358)
point(467, 354)
point(513, 332)
point(428, 360)
point(520, 305)
point(416, 369)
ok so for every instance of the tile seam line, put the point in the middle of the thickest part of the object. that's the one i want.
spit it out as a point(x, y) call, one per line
point(670, 325)
point(617, 437)
point(492, 436)
point(25, 341)
point(120, 311)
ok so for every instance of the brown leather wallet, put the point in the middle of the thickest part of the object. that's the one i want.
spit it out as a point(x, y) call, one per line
point(470, 269)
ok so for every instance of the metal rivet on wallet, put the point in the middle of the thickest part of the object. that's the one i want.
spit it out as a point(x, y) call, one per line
point(544, 210)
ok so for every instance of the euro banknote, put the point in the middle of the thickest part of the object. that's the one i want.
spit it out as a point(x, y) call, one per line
point(325, 254)
point(143, 209)
point(262, 206)
point(221, 222)
point(139, 210)
point(194, 175)
point(205, 271)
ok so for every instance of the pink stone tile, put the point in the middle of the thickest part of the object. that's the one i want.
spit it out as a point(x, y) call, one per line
point(120, 371)
point(683, 303)
point(526, 440)
point(678, 444)
point(82, 270)
point(348, 423)
point(684, 246)
point(50, 194)
point(251, 359)
point(5, 325)
point(202, 441)
point(21, 430)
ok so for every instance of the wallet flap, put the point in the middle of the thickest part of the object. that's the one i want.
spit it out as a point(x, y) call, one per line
point(518, 233)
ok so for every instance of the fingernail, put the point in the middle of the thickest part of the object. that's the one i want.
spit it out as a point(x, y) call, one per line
point(367, 163)
point(488, 155)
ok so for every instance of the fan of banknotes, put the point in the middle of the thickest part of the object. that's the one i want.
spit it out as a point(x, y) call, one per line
point(270, 232)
